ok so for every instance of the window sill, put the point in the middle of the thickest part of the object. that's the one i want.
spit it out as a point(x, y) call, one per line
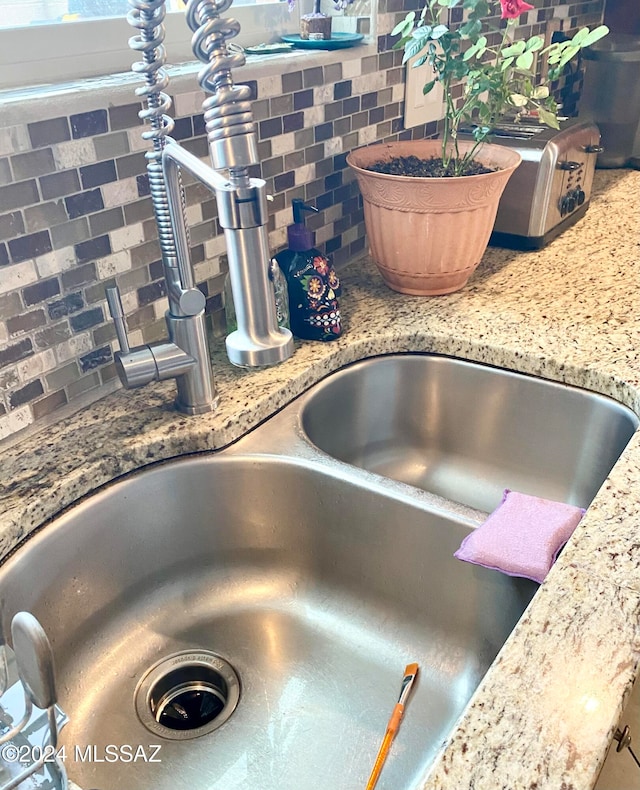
point(28, 105)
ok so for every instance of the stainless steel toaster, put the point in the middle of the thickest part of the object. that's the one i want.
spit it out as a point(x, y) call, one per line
point(551, 188)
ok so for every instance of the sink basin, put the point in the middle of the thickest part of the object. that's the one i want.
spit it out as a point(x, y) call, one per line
point(315, 587)
point(252, 611)
point(467, 431)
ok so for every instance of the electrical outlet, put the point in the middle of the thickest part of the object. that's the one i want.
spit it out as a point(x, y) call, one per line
point(418, 108)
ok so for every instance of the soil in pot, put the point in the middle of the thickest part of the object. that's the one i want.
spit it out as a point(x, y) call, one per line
point(424, 168)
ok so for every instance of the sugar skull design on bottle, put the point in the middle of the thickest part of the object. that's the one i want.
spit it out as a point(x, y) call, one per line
point(314, 288)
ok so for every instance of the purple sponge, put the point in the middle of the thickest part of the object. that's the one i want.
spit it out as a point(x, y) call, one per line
point(522, 537)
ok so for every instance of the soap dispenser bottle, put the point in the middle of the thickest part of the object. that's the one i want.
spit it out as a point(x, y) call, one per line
point(312, 282)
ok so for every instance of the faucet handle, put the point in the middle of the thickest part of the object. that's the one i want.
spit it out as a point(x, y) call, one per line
point(117, 313)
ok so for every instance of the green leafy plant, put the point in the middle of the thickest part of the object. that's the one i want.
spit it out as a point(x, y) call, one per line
point(498, 79)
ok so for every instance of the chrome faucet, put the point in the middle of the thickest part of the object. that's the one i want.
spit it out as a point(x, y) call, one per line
point(242, 210)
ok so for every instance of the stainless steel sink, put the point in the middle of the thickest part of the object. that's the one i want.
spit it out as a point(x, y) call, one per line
point(317, 589)
point(467, 431)
point(313, 580)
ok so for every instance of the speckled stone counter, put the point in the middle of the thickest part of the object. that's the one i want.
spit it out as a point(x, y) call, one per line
point(547, 709)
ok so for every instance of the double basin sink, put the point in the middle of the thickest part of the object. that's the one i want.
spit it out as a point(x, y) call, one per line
point(251, 611)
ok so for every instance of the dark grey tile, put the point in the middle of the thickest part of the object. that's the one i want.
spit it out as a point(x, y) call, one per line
point(131, 165)
point(333, 110)
point(59, 184)
point(109, 146)
point(70, 232)
point(142, 183)
point(63, 375)
point(105, 221)
point(370, 64)
point(293, 122)
point(11, 225)
point(125, 116)
point(198, 147)
point(4, 255)
point(26, 394)
point(292, 82)
point(313, 77)
point(104, 334)
point(351, 105)
point(69, 304)
point(323, 131)
point(18, 324)
point(302, 99)
point(82, 385)
point(44, 215)
point(87, 319)
point(183, 129)
point(24, 193)
point(314, 153)
point(332, 73)
point(369, 100)
point(55, 130)
point(359, 120)
point(284, 181)
point(271, 167)
point(137, 212)
point(198, 124)
point(303, 138)
point(84, 203)
point(342, 90)
point(93, 249)
point(281, 105)
point(16, 352)
point(25, 247)
point(270, 128)
point(151, 292)
point(88, 124)
point(49, 404)
point(45, 289)
point(342, 126)
point(294, 160)
point(144, 254)
point(79, 276)
point(100, 173)
point(33, 163)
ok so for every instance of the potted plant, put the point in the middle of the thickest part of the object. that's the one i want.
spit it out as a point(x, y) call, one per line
point(430, 205)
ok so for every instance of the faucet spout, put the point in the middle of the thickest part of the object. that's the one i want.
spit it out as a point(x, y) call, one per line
point(242, 212)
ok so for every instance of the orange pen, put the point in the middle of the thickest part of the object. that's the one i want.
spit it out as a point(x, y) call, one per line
point(410, 673)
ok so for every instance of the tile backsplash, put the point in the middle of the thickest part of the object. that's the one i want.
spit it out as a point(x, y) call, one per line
point(76, 216)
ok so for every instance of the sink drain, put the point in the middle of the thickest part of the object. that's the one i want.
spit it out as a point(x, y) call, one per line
point(187, 694)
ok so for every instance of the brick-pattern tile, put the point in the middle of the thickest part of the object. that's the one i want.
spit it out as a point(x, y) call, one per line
point(76, 216)
point(84, 203)
point(15, 352)
point(88, 124)
point(65, 306)
point(55, 130)
point(26, 394)
point(24, 193)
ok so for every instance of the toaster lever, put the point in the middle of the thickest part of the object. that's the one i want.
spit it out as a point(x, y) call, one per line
point(569, 165)
point(594, 149)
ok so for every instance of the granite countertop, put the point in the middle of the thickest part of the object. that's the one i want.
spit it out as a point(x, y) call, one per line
point(547, 709)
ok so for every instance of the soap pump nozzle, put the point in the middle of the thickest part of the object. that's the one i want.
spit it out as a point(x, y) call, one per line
point(299, 236)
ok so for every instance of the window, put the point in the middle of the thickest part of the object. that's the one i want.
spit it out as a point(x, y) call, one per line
point(49, 41)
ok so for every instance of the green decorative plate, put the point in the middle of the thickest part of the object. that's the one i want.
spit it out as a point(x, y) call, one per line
point(268, 49)
point(337, 41)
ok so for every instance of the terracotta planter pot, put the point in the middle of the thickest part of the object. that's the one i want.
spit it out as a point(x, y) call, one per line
point(427, 235)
